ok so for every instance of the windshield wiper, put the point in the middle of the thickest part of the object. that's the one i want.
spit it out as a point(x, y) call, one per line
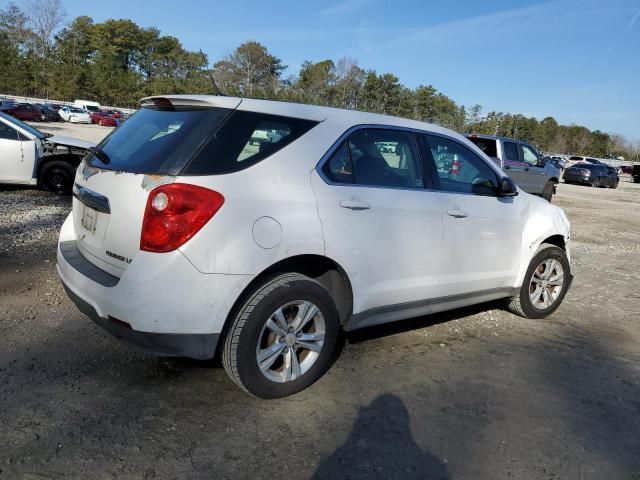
point(100, 154)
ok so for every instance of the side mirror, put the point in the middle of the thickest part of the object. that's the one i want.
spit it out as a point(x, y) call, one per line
point(507, 188)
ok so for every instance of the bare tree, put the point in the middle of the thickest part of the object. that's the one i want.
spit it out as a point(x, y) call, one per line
point(45, 18)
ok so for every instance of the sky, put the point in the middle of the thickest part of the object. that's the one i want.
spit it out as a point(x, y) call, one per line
point(578, 61)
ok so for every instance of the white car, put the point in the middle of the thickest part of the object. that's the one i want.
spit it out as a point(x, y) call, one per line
point(186, 240)
point(74, 115)
point(31, 157)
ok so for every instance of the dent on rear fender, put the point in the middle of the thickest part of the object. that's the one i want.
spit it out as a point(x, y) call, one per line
point(87, 171)
point(149, 182)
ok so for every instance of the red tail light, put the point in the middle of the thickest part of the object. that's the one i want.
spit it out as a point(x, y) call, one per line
point(175, 213)
point(456, 165)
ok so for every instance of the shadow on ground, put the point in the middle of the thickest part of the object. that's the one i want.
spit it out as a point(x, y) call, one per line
point(381, 445)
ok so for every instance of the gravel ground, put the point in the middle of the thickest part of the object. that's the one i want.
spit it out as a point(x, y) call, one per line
point(91, 133)
point(474, 393)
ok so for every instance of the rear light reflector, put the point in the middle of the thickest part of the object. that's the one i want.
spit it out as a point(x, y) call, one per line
point(176, 212)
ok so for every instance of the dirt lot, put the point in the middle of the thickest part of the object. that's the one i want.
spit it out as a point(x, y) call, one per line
point(476, 393)
point(91, 133)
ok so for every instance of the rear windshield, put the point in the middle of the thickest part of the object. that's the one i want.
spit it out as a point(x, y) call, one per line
point(487, 145)
point(189, 141)
point(575, 158)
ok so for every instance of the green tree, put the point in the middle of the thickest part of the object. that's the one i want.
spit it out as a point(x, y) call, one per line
point(250, 70)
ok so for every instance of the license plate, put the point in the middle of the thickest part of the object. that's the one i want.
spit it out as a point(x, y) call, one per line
point(89, 219)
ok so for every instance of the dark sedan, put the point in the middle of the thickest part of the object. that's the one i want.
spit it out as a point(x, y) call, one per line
point(49, 113)
point(594, 174)
point(25, 111)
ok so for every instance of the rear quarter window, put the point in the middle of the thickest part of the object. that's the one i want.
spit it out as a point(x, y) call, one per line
point(244, 139)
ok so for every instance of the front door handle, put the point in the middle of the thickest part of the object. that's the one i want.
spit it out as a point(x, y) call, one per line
point(457, 213)
point(355, 205)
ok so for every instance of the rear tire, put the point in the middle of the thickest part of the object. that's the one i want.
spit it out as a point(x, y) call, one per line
point(547, 193)
point(57, 177)
point(545, 283)
point(261, 352)
point(615, 185)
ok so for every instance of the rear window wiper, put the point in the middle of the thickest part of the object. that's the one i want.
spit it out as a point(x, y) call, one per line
point(100, 154)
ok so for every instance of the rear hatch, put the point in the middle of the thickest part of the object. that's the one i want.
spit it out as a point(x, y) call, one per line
point(113, 184)
point(167, 138)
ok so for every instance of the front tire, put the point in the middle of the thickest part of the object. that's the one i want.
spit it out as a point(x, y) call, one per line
point(57, 177)
point(545, 283)
point(283, 338)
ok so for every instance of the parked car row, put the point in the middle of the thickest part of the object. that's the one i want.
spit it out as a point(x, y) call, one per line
point(83, 111)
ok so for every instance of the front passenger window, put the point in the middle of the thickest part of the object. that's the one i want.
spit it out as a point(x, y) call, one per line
point(529, 155)
point(459, 169)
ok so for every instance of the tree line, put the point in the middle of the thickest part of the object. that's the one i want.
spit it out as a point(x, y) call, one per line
point(117, 62)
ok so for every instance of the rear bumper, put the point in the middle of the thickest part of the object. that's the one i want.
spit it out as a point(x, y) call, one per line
point(168, 306)
point(199, 346)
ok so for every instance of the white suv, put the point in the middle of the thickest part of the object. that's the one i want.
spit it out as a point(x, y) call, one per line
point(187, 239)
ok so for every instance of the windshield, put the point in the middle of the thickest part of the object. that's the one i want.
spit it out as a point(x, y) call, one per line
point(76, 110)
point(37, 133)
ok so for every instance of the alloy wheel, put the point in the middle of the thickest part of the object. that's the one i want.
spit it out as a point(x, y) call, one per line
point(546, 284)
point(290, 341)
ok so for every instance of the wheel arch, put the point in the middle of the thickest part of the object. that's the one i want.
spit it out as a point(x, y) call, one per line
point(70, 158)
point(557, 240)
point(324, 270)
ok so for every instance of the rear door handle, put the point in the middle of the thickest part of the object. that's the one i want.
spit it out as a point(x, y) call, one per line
point(355, 205)
point(457, 213)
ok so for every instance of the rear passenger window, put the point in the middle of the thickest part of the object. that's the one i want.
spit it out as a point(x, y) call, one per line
point(459, 169)
point(338, 168)
point(529, 156)
point(511, 152)
point(385, 158)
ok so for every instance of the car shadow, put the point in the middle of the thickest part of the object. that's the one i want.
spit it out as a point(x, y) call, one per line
point(381, 445)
